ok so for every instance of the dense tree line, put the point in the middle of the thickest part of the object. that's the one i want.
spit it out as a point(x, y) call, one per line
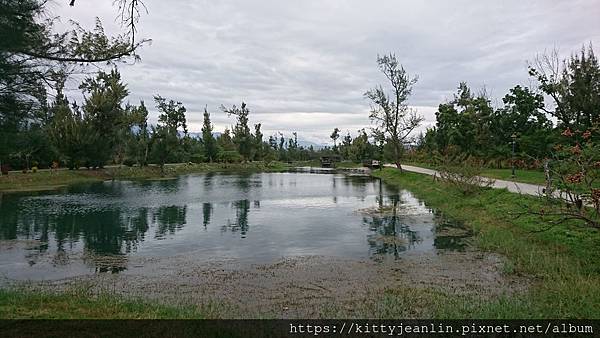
point(469, 124)
point(39, 125)
point(36, 60)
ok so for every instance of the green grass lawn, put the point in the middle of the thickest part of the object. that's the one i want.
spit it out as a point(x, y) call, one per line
point(525, 176)
point(29, 305)
point(46, 180)
point(561, 263)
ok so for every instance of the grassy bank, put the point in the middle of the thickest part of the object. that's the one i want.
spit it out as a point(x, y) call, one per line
point(29, 305)
point(561, 263)
point(50, 180)
point(525, 176)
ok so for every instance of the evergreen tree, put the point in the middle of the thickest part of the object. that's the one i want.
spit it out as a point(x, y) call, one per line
point(242, 137)
point(167, 145)
point(104, 113)
point(208, 141)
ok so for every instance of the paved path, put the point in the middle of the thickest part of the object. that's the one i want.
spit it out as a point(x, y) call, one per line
point(517, 187)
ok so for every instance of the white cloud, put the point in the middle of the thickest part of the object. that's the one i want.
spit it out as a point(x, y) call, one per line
point(304, 64)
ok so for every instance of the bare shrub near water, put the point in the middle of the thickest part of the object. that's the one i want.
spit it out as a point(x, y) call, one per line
point(463, 174)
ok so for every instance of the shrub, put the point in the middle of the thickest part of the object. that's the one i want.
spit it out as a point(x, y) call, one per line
point(230, 156)
point(197, 158)
point(463, 173)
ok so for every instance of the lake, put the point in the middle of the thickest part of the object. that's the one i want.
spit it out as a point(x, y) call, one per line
point(252, 218)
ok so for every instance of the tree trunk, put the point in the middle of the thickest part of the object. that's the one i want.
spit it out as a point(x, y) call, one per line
point(397, 156)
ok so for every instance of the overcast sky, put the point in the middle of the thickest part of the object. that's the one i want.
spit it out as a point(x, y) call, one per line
point(303, 65)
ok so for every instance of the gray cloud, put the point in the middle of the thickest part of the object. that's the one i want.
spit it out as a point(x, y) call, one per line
point(303, 65)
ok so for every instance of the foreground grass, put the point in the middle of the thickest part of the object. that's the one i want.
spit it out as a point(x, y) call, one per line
point(28, 305)
point(47, 180)
point(561, 263)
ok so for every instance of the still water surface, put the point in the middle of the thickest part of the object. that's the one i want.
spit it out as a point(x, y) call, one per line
point(254, 218)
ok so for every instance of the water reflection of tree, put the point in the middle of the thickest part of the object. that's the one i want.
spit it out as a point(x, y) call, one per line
point(242, 209)
point(169, 219)
point(244, 182)
point(389, 233)
point(106, 231)
point(207, 209)
point(209, 181)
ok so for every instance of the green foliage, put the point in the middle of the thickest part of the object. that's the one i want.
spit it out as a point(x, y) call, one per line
point(208, 141)
point(138, 134)
point(334, 137)
point(104, 115)
point(392, 116)
point(229, 156)
point(167, 146)
point(574, 89)
point(242, 137)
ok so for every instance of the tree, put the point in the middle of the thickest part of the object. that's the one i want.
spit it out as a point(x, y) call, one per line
point(393, 116)
point(573, 85)
point(69, 133)
point(361, 149)
point(227, 149)
point(575, 172)
point(464, 123)
point(166, 143)
point(242, 136)
point(31, 52)
point(346, 143)
point(259, 152)
point(522, 115)
point(208, 141)
point(334, 136)
point(139, 144)
point(105, 114)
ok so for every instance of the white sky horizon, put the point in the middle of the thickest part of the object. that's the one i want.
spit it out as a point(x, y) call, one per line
point(304, 65)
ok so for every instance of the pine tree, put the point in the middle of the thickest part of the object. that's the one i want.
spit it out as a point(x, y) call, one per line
point(209, 142)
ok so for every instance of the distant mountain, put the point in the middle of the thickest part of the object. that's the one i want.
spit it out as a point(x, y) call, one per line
point(301, 142)
point(307, 144)
point(199, 135)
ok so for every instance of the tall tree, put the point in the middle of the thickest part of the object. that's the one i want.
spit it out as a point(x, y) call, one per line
point(258, 143)
point(242, 136)
point(103, 107)
point(31, 52)
point(392, 115)
point(334, 137)
point(573, 85)
point(208, 140)
point(166, 140)
point(139, 144)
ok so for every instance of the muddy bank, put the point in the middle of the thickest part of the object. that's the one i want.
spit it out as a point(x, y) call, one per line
point(299, 287)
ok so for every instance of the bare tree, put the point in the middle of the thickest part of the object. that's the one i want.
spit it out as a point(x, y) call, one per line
point(393, 117)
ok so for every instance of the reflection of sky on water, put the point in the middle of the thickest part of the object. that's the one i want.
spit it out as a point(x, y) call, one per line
point(250, 217)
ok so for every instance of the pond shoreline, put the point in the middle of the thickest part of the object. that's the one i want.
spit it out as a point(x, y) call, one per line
point(48, 180)
point(505, 283)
